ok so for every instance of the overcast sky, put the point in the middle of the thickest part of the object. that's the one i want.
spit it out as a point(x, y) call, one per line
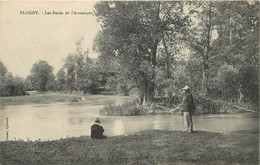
point(25, 39)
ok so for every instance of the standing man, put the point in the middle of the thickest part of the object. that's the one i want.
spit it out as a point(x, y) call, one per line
point(97, 130)
point(187, 107)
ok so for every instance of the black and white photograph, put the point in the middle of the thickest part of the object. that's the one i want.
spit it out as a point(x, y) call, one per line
point(129, 82)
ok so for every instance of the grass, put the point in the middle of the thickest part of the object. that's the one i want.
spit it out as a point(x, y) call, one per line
point(39, 98)
point(147, 147)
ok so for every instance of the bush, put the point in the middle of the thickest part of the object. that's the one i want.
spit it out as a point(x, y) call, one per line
point(227, 81)
point(127, 109)
point(206, 106)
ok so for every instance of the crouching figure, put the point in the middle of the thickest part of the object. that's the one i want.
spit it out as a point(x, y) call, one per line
point(97, 130)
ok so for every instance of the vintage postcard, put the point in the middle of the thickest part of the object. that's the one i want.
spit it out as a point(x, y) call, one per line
point(129, 82)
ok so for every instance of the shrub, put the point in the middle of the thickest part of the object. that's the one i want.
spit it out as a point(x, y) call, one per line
point(206, 106)
point(127, 109)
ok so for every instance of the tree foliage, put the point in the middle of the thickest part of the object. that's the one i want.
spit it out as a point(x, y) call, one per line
point(158, 47)
point(10, 85)
point(134, 31)
point(154, 48)
point(79, 72)
point(234, 42)
point(42, 77)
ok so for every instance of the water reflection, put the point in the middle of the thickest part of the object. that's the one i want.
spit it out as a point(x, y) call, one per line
point(157, 123)
point(53, 121)
point(118, 127)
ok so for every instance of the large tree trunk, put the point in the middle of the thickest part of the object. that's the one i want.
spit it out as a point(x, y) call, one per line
point(204, 79)
point(156, 39)
point(205, 71)
point(167, 59)
point(154, 51)
point(149, 86)
point(191, 79)
point(144, 84)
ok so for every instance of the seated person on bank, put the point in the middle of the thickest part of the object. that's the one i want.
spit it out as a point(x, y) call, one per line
point(97, 130)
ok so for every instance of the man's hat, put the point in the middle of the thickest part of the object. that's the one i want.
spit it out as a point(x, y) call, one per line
point(186, 87)
point(97, 120)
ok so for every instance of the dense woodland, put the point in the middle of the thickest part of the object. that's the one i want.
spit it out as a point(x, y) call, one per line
point(153, 49)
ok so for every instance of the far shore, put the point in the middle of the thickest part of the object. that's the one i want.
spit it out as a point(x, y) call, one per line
point(40, 98)
point(48, 97)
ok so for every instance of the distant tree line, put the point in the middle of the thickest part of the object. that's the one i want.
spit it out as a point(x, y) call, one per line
point(10, 85)
point(78, 74)
point(152, 49)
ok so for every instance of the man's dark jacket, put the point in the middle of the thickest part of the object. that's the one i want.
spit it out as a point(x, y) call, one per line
point(187, 104)
point(97, 131)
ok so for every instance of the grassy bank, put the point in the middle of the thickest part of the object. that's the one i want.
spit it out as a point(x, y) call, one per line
point(148, 147)
point(39, 98)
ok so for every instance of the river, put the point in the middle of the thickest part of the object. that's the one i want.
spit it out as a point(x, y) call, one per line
point(61, 120)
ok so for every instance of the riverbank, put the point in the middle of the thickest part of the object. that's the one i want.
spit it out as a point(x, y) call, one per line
point(202, 107)
point(129, 108)
point(40, 98)
point(54, 97)
point(147, 147)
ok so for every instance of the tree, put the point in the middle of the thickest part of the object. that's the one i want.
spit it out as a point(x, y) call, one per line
point(227, 80)
point(61, 80)
point(205, 71)
point(80, 72)
point(3, 69)
point(10, 85)
point(69, 67)
point(224, 33)
point(249, 84)
point(42, 76)
point(135, 31)
point(200, 38)
point(28, 83)
point(237, 44)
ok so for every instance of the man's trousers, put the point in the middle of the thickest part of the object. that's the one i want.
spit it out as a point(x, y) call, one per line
point(187, 119)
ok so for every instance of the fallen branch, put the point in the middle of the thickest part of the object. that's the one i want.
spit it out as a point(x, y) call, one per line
point(245, 109)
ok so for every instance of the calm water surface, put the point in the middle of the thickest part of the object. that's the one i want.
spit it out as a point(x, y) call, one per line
point(61, 120)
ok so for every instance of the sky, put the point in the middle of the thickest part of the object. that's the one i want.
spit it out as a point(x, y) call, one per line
point(27, 38)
